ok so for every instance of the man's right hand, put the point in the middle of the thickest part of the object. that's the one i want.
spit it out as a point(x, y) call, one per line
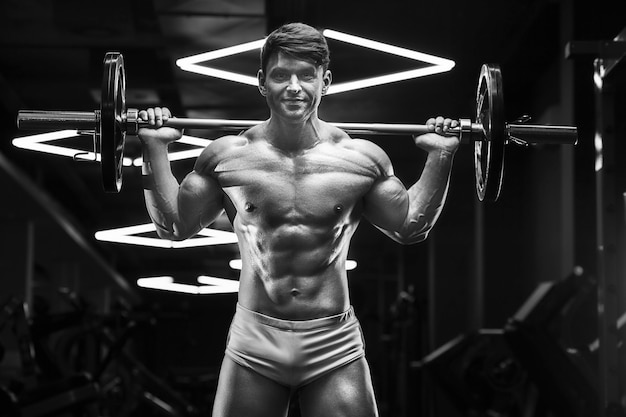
point(156, 132)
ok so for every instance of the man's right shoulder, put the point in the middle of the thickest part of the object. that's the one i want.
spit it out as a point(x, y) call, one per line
point(227, 142)
point(218, 149)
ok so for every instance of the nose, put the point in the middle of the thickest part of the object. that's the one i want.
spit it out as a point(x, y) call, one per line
point(294, 84)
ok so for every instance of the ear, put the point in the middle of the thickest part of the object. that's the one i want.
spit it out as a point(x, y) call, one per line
point(327, 79)
point(261, 79)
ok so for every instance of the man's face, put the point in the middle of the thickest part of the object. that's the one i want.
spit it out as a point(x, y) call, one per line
point(293, 88)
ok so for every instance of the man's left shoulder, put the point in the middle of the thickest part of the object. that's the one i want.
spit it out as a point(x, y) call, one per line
point(362, 152)
point(363, 146)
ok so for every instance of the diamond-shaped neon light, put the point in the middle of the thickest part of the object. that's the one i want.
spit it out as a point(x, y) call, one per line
point(438, 64)
point(212, 285)
point(40, 143)
point(205, 237)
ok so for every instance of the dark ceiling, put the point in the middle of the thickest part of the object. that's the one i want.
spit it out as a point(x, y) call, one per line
point(51, 59)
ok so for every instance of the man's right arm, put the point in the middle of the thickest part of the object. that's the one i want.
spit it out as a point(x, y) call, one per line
point(179, 211)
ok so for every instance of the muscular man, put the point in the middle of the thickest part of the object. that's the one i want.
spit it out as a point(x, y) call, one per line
point(295, 189)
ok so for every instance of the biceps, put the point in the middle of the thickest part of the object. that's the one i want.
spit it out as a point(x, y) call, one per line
point(200, 200)
point(386, 205)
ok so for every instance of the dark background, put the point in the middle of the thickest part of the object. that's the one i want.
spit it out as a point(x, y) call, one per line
point(481, 261)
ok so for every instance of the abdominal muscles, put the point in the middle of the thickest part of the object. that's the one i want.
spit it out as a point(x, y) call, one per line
point(295, 265)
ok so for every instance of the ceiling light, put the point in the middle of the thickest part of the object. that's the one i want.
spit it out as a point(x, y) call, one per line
point(390, 49)
point(385, 79)
point(39, 143)
point(215, 282)
point(438, 64)
point(191, 63)
point(236, 264)
point(212, 285)
point(205, 237)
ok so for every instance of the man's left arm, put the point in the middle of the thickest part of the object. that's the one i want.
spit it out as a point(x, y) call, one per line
point(407, 216)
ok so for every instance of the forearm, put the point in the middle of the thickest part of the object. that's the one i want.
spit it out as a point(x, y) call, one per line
point(427, 197)
point(160, 190)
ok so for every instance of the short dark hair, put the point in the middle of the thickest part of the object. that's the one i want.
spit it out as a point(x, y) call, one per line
point(298, 40)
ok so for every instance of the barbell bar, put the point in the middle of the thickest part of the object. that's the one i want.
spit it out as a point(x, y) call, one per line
point(488, 132)
point(40, 120)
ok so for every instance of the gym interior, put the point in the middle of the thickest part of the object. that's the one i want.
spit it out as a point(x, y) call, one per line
point(513, 307)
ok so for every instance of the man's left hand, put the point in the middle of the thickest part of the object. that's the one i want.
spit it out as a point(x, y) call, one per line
point(438, 140)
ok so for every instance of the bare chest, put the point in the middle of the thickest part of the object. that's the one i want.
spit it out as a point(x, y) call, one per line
point(315, 184)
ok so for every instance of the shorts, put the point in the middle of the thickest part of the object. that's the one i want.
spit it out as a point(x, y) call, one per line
point(294, 353)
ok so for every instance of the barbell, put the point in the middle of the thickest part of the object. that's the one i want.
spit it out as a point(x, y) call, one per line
point(488, 132)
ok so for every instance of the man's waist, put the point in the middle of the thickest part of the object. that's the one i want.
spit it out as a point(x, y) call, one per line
point(296, 325)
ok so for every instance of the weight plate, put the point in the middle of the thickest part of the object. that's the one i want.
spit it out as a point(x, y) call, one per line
point(112, 111)
point(489, 150)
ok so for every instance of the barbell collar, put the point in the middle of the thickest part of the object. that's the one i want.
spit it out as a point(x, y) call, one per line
point(131, 122)
point(468, 131)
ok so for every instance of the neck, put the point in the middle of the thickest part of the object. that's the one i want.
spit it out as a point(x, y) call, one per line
point(293, 136)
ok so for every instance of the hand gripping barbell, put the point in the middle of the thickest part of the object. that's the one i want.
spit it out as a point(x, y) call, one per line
point(489, 132)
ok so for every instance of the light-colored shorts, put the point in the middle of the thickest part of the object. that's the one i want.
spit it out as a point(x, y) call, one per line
point(294, 353)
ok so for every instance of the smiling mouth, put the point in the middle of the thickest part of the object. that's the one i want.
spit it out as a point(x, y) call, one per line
point(294, 103)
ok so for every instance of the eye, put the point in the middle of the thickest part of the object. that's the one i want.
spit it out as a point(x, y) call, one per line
point(279, 76)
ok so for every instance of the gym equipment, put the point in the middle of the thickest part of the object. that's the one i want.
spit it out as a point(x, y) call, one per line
point(88, 371)
point(564, 378)
point(489, 132)
point(608, 58)
point(38, 392)
point(525, 368)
